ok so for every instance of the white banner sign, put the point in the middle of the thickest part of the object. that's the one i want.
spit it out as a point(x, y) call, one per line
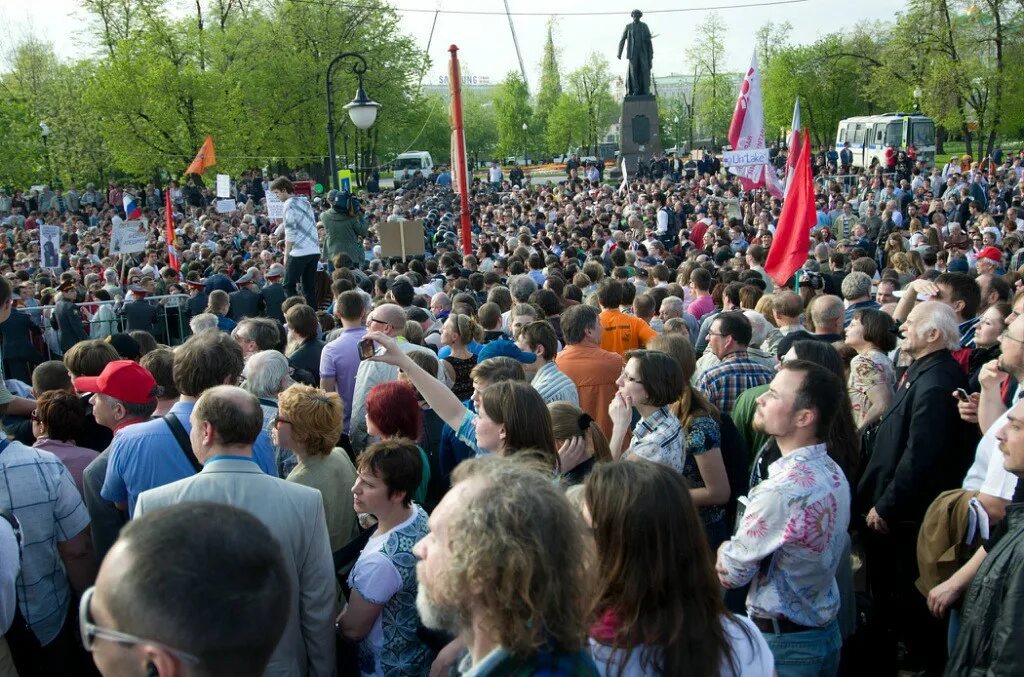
point(129, 237)
point(275, 208)
point(49, 243)
point(223, 185)
point(747, 157)
point(225, 206)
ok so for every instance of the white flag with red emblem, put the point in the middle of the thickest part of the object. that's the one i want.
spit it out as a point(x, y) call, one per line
point(747, 132)
point(794, 145)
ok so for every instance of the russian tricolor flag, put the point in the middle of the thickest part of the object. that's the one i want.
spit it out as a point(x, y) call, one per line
point(131, 208)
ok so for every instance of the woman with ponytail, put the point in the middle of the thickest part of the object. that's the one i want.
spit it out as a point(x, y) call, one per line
point(579, 439)
point(457, 333)
point(703, 466)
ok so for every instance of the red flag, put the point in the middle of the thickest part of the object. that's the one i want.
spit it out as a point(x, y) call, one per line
point(172, 251)
point(792, 239)
point(204, 158)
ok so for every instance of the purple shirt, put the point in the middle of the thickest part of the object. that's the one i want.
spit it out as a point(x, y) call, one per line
point(74, 458)
point(701, 307)
point(340, 361)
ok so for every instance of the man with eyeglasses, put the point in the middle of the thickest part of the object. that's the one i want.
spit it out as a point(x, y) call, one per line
point(224, 426)
point(187, 623)
point(390, 319)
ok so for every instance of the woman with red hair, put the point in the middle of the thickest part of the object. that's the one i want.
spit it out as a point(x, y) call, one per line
point(393, 411)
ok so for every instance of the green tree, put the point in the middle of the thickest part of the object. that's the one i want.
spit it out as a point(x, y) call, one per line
point(479, 125)
point(511, 110)
point(591, 86)
point(567, 126)
point(826, 84)
point(550, 86)
point(714, 87)
point(254, 78)
point(770, 39)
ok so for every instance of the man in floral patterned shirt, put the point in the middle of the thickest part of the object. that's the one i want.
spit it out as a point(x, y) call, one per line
point(793, 534)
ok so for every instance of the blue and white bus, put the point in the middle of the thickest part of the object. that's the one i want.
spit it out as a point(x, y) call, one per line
point(870, 135)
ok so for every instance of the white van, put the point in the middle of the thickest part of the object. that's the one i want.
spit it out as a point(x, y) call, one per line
point(413, 161)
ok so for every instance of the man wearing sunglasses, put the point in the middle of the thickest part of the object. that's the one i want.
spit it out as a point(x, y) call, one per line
point(182, 604)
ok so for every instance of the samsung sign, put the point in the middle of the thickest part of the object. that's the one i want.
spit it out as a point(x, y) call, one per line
point(467, 80)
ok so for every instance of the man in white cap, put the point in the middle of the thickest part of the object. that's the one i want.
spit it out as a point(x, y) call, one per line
point(245, 302)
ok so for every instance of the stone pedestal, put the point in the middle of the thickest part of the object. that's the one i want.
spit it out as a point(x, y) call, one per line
point(640, 136)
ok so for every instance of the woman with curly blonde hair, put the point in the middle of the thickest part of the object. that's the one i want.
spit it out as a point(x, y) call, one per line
point(308, 422)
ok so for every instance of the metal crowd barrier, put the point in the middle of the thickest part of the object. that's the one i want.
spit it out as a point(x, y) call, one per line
point(847, 179)
point(171, 328)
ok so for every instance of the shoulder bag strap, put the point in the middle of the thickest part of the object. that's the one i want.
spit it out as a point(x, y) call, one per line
point(182, 437)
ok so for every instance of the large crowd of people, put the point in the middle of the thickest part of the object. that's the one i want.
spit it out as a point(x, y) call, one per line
point(606, 441)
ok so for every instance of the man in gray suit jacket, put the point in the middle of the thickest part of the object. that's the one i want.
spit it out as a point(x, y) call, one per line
point(225, 423)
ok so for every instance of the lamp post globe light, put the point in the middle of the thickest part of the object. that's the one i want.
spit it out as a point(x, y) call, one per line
point(362, 110)
point(524, 143)
point(917, 98)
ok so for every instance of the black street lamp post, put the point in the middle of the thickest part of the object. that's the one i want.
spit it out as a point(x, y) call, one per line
point(362, 109)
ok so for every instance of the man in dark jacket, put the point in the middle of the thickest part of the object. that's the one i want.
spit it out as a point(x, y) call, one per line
point(20, 355)
point(345, 227)
point(139, 314)
point(220, 280)
point(196, 304)
point(992, 620)
point(921, 449)
point(245, 302)
point(67, 319)
point(273, 292)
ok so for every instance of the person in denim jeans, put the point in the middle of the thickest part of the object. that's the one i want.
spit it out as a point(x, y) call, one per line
point(301, 242)
point(792, 536)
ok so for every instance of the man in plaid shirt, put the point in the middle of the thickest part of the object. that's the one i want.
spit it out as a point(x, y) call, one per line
point(722, 384)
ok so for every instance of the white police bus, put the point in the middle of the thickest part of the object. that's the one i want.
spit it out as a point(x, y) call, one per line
point(870, 135)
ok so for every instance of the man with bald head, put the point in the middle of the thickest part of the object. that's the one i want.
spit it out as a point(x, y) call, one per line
point(827, 314)
point(389, 319)
point(225, 423)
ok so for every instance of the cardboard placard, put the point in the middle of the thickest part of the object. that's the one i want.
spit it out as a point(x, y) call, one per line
point(129, 237)
point(401, 238)
point(223, 185)
point(226, 206)
point(275, 208)
point(747, 157)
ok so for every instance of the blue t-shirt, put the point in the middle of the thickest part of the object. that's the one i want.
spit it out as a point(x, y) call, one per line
point(472, 347)
point(147, 455)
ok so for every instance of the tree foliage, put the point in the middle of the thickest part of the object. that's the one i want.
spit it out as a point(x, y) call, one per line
point(714, 86)
point(512, 110)
point(965, 59)
point(252, 74)
point(550, 86)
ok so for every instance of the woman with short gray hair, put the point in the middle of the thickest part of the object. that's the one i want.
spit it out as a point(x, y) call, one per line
point(266, 375)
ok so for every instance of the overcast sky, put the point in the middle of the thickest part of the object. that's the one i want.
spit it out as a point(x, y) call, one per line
point(485, 42)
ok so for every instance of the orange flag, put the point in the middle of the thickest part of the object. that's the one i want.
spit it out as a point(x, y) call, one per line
point(204, 158)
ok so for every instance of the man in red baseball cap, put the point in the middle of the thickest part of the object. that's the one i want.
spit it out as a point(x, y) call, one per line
point(990, 259)
point(124, 393)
